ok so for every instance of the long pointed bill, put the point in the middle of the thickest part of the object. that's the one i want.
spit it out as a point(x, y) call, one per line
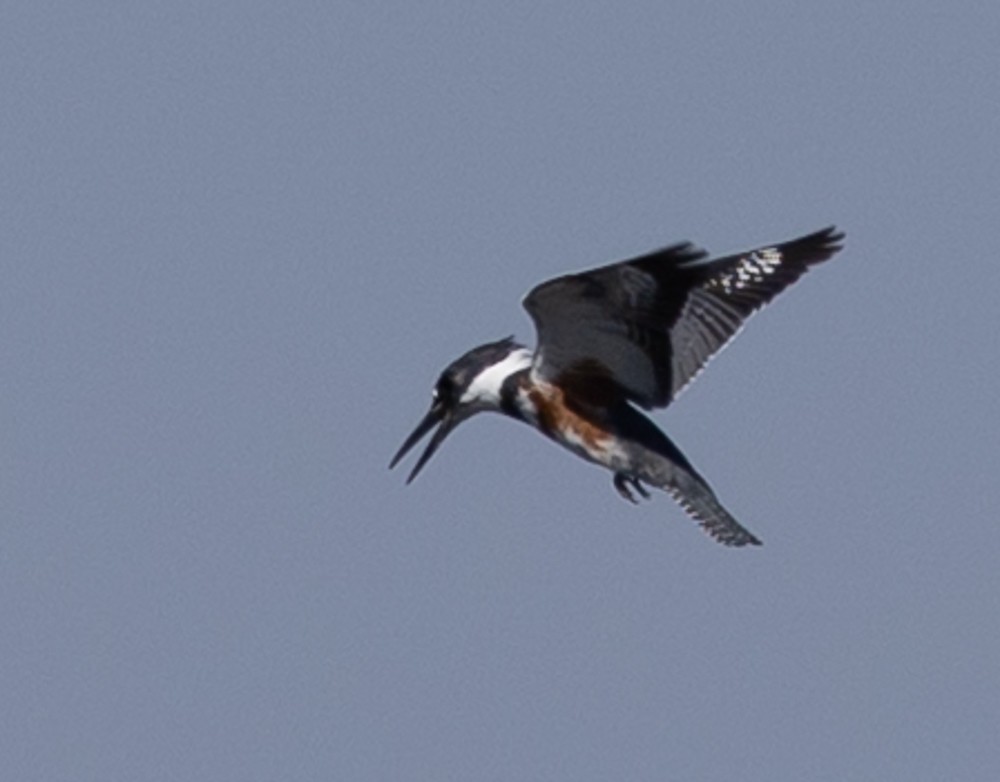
point(434, 415)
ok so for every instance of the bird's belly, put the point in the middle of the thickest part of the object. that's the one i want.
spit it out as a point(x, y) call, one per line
point(578, 433)
point(605, 452)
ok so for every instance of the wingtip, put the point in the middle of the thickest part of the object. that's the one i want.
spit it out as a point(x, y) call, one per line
point(832, 235)
point(813, 248)
point(829, 234)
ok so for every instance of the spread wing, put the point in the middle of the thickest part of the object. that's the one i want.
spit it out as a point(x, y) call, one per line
point(642, 329)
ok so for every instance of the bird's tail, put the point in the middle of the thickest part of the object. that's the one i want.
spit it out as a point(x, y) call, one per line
point(695, 496)
point(661, 464)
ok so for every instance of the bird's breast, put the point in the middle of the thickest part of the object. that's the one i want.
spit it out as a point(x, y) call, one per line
point(548, 408)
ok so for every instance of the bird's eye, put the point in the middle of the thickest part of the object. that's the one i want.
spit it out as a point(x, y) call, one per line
point(443, 390)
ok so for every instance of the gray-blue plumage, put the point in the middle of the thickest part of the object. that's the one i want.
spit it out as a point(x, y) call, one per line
point(631, 333)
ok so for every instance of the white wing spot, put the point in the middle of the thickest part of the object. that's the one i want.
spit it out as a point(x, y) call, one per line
point(752, 269)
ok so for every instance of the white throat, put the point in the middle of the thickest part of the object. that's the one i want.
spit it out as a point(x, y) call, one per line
point(484, 390)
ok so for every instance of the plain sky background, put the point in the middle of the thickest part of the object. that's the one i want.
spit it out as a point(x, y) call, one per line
point(240, 240)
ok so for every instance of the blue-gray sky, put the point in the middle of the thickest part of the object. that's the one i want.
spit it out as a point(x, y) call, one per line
point(239, 242)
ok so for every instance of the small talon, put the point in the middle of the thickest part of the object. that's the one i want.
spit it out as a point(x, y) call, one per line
point(622, 481)
point(622, 487)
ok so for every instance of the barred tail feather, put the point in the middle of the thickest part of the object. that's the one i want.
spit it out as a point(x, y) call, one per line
point(694, 495)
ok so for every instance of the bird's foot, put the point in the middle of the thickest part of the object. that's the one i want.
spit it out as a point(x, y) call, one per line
point(622, 482)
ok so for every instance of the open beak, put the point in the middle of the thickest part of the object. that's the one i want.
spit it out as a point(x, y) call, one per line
point(437, 414)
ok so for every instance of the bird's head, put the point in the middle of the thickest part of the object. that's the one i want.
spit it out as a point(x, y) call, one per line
point(469, 385)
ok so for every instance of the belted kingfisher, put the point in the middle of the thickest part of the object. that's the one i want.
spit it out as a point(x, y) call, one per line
point(632, 333)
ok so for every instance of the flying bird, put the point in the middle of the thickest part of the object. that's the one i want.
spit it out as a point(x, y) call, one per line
point(613, 339)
